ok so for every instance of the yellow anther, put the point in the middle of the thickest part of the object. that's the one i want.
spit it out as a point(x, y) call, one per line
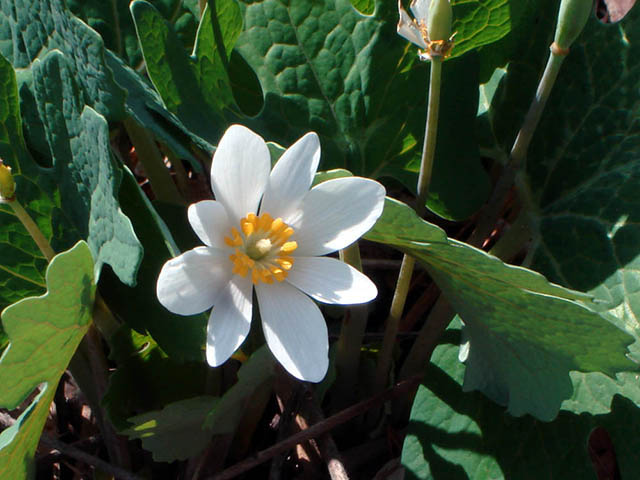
point(265, 276)
point(278, 273)
point(235, 240)
point(277, 225)
point(247, 227)
point(286, 263)
point(288, 247)
point(264, 222)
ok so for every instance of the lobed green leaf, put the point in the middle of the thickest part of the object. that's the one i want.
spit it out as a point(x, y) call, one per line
point(44, 333)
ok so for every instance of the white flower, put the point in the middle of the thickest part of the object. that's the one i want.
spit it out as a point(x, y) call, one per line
point(265, 232)
point(430, 29)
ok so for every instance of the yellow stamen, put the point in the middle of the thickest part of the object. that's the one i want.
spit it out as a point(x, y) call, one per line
point(262, 248)
point(289, 247)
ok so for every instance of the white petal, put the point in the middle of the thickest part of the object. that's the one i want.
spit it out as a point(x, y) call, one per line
point(229, 321)
point(209, 220)
point(190, 283)
point(335, 214)
point(295, 330)
point(240, 171)
point(420, 9)
point(292, 176)
point(408, 29)
point(331, 281)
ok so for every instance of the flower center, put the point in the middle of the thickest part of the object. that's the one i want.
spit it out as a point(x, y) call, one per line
point(261, 247)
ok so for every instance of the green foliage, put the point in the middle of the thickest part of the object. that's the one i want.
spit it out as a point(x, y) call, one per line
point(582, 169)
point(182, 338)
point(112, 20)
point(175, 432)
point(196, 88)
point(44, 333)
point(85, 206)
point(22, 269)
point(183, 428)
point(86, 177)
point(524, 334)
point(146, 377)
point(337, 67)
point(455, 434)
point(350, 77)
point(45, 25)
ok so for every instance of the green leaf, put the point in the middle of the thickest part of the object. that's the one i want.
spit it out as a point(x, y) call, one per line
point(183, 428)
point(87, 178)
point(583, 168)
point(524, 334)
point(399, 225)
point(22, 269)
point(196, 88)
point(40, 26)
point(146, 379)
point(325, 67)
point(44, 333)
point(175, 432)
point(84, 169)
point(182, 338)
point(112, 20)
point(454, 434)
point(254, 373)
point(481, 22)
point(145, 106)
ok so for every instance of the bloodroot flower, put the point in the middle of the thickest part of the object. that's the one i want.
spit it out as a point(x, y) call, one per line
point(266, 232)
point(430, 28)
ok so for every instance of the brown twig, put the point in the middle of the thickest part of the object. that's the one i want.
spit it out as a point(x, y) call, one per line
point(77, 454)
point(327, 447)
point(317, 429)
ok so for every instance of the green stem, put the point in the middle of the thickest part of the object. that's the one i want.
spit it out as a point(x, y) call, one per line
point(517, 158)
point(430, 135)
point(349, 343)
point(406, 269)
point(149, 155)
point(116, 27)
point(32, 228)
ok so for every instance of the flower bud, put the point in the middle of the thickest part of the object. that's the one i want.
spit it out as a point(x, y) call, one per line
point(572, 18)
point(439, 20)
point(7, 184)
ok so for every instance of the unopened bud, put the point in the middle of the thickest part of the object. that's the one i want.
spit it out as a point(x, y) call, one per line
point(439, 20)
point(572, 18)
point(7, 183)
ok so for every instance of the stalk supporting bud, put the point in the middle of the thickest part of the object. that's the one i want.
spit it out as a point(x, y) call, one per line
point(572, 18)
point(439, 20)
point(7, 183)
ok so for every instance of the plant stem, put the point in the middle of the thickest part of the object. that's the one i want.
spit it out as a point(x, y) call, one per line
point(349, 343)
point(32, 228)
point(517, 158)
point(151, 158)
point(408, 263)
point(430, 135)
